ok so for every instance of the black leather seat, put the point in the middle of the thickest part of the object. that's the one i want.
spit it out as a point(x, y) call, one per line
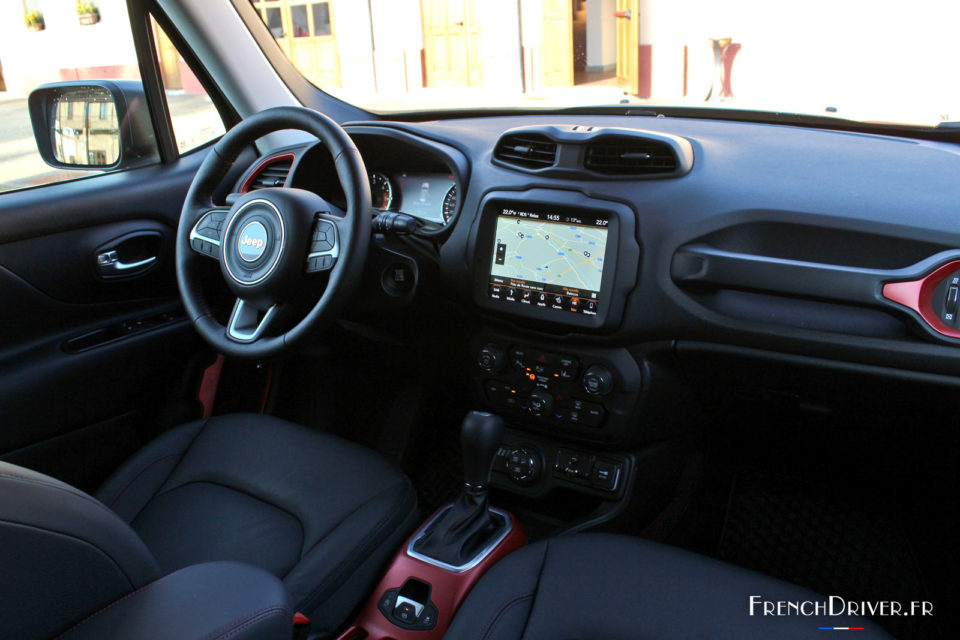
point(619, 588)
point(322, 514)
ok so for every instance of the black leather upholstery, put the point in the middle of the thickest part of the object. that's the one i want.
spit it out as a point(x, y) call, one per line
point(321, 513)
point(618, 588)
point(211, 601)
point(62, 555)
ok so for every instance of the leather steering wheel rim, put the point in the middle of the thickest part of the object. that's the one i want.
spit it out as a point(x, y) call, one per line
point(353, 228)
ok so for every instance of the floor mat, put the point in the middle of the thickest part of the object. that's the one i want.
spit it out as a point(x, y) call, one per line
point(834, 544)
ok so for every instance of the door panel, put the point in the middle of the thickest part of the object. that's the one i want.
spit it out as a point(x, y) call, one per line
point(90, 366)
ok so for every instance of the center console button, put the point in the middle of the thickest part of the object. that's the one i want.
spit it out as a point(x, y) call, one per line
point(405, 612)
point(598, 380)
point(540, 403)
point(491, 358)
point(606, 475)
point(518, 357)
point(574, 464)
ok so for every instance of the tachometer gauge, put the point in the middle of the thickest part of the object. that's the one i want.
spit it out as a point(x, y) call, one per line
point(381, 191)
point(450, 204)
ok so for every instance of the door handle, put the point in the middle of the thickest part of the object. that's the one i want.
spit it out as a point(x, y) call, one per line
point(110, 265)
point(622, 14)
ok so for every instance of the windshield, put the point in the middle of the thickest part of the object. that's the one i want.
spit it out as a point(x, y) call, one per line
point(851, 59)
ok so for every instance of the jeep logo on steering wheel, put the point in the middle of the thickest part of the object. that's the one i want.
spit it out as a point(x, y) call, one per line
point(252, 241)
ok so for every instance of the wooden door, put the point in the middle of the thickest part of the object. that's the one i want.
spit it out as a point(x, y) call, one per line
point(305, 32)
point(557, 43)
point(451, 43)
point(628, 45)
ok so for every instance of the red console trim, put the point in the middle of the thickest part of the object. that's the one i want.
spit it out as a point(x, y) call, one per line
point(918, 295)
point(448, 590)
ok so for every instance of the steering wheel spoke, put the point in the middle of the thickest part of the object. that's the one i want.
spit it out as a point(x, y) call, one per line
point(324, 247)
point(249, 321)
point(206, 234)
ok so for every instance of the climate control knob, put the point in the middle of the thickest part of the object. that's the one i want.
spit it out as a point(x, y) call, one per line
point(523, 465)
point(539, 403)
point(598, 380)
point(491, 358)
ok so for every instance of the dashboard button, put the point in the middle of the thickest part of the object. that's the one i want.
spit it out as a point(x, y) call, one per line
point(598, 380)
point(518, 357)
point(605, 475)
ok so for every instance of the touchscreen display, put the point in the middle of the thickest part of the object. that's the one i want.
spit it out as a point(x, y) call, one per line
point(546, 258)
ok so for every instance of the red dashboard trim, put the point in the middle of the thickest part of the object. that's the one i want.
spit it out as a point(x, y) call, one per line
point(918, 295)
point(266, 162)
point(447, 593)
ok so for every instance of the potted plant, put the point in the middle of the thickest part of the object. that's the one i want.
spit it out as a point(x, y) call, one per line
point(34, 20)
point(87, 12)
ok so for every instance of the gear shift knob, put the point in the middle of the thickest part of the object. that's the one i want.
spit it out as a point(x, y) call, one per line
point(480, 438)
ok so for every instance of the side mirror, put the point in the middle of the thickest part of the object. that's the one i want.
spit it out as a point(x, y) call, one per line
point(93, 124)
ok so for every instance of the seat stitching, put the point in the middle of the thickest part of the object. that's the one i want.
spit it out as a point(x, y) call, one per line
point(251, 623)
point(137, 477)
point(502, 611)
point(245, 621)
point(237, 490)
point(79, 539)
point(109, 606)
point(371, 539)
point(536, 589)
point(76, 493)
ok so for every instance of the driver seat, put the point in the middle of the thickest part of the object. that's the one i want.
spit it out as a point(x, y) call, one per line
point(320, 513)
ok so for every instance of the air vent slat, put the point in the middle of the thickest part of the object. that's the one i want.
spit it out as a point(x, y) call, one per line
point(625, 156)
point(272, 174)
point(532, 150)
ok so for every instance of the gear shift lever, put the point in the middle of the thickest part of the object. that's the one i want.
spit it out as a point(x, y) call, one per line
point(480, 438)
point(462, 531)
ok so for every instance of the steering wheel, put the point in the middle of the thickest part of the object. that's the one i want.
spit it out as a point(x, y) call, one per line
point(276, 245)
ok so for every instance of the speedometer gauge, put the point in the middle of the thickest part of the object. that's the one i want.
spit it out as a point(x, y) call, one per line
point(381, 191)
point(449, 204)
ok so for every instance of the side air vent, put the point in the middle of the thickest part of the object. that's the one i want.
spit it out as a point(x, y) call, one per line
point(625, 156)
point(531, 150)
point(272, 173)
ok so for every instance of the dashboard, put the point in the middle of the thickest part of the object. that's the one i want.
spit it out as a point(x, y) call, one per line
point(632, 247)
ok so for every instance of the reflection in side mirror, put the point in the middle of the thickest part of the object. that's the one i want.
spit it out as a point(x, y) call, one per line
point(100, 125)
point(86, 130)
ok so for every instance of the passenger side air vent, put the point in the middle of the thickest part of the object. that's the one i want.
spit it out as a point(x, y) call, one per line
point(628, 156)
point(272, 173)
point(531, 150)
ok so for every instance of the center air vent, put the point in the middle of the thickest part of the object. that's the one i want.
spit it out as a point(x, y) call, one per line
point(531, 150)
point(627, 156)
point(272, 173)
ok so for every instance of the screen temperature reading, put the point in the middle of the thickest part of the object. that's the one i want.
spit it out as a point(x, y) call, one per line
point(549, 259)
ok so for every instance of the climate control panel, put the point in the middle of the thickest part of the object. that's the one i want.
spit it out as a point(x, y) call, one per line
point(577, 390)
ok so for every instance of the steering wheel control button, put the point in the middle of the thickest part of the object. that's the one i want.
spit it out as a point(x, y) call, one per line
point(324, 248)
point(598, 380)
point(252, 241)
